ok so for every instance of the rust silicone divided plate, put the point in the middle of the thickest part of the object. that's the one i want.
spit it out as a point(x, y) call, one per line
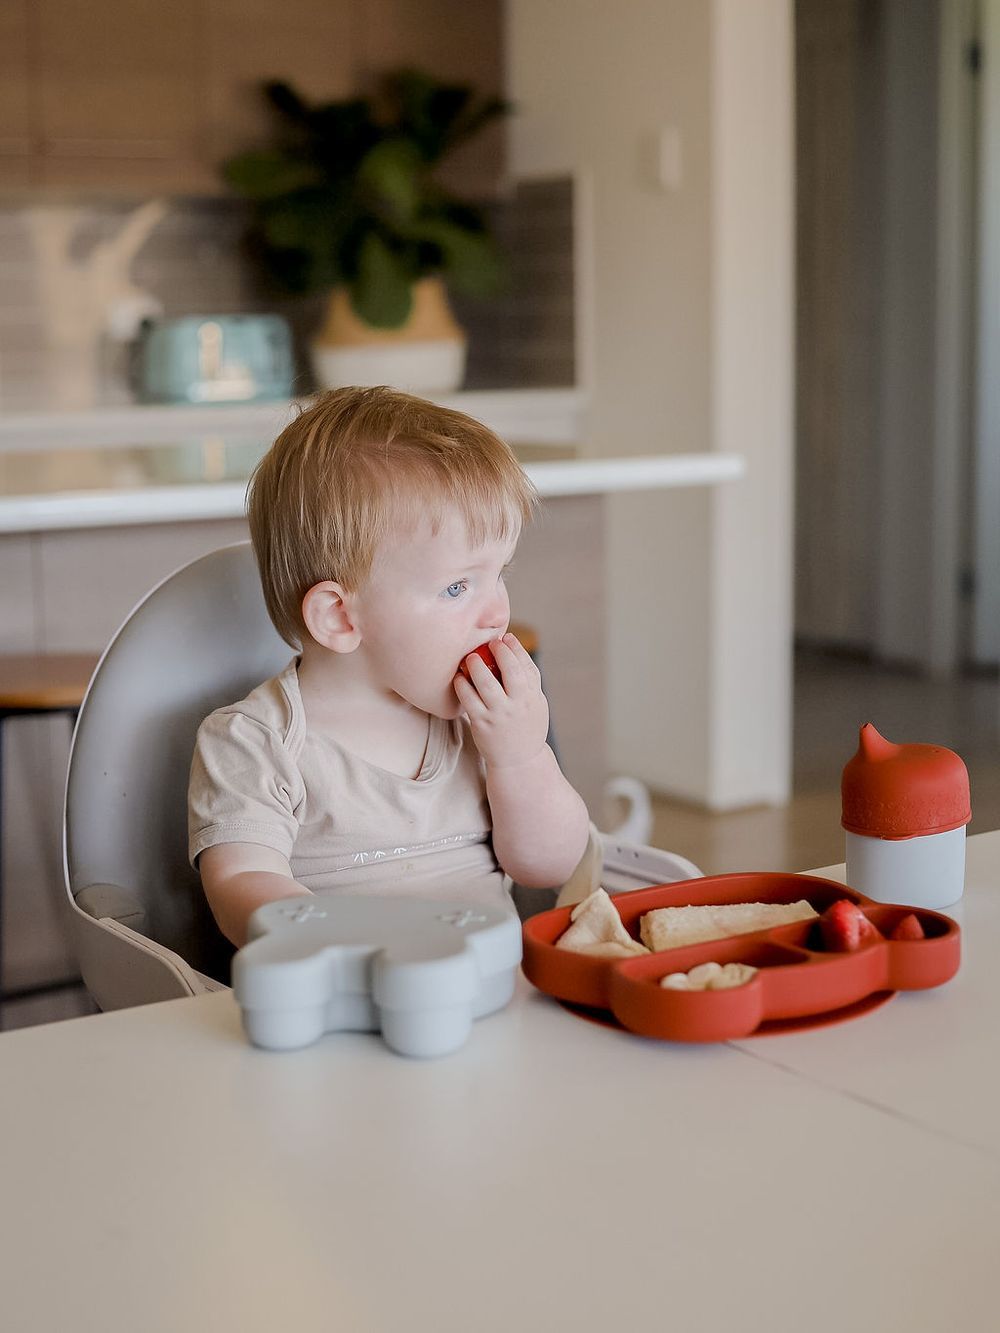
point(797, 979)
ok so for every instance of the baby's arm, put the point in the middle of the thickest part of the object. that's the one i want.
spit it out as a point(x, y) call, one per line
point(540, 823)
point(239, 877)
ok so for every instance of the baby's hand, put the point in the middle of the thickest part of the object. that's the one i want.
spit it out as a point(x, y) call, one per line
point(485, 652)
point(509, 717)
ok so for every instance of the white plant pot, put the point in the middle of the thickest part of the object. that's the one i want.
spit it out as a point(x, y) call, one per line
point(432, 367)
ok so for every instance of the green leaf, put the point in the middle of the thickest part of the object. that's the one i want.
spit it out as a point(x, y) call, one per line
point(300, 222)
point(475, 120)
point(341, 133)
point(269, 174)
point(382, 294)
point(286, 101)
point(426, 109)
point(470, 259)
point(391, 172)
point(437, 115)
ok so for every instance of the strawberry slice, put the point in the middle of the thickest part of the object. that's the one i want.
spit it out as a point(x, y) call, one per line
point(486, 653)
point(845, 927)
point(908, 928)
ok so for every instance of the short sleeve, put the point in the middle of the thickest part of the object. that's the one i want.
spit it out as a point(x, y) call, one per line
point(244, 785)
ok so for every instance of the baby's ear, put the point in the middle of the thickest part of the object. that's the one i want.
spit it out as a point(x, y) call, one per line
point(327, 610)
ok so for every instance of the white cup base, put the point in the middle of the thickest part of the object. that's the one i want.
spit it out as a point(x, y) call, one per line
point(921, 872)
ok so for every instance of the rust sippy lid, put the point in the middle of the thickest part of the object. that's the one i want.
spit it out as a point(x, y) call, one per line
point(903, 791)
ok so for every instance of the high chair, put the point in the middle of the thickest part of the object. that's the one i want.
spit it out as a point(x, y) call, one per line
point(200, 639)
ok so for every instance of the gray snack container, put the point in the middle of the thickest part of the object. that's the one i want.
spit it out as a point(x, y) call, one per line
point(419, 971)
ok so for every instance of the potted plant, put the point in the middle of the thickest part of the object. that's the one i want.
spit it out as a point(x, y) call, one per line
point(346, 202)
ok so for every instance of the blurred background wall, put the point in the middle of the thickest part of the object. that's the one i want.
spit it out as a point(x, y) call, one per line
point(679, 124)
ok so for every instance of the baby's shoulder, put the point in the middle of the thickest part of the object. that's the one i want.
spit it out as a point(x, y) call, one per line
point(272, 708)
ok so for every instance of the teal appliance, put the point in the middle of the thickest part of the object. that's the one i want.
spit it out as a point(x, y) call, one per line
point(215, 359)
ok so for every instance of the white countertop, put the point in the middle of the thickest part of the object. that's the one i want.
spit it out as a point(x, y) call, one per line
point(160, 1174)
point(119, 466)
point(155, 503)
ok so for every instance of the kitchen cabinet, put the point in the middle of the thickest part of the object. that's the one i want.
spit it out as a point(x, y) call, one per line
point(130, 96)
point(115, 91)
point(15, 115)
point(303, 42)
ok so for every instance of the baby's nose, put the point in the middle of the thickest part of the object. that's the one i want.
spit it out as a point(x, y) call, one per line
point(496, 612)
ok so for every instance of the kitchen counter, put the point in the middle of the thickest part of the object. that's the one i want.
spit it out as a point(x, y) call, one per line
point(119, 466)
point(86, 488)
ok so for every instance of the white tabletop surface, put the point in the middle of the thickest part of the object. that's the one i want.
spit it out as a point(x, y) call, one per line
point(158, 1173)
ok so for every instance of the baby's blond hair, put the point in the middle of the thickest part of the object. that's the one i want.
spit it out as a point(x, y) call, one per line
point(359, 464)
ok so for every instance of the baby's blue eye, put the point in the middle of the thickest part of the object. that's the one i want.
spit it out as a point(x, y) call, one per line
point(454, 589)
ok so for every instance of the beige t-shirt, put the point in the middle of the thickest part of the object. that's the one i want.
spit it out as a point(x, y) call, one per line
point(344, 825)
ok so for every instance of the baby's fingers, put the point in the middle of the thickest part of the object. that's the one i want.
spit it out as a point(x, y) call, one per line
point(468, 696)
point(488, 682)
point(511, 644)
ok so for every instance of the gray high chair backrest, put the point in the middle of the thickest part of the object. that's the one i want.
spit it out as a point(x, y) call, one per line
point(201, 639)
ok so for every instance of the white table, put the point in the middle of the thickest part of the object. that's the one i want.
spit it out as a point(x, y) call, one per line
point(158, 1173)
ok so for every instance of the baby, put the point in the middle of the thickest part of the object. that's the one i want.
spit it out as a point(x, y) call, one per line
point(382, 527)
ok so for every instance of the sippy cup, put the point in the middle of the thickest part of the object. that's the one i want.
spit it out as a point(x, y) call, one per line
point(905, 808)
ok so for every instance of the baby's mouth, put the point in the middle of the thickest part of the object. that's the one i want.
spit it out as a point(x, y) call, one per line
point(486, 653)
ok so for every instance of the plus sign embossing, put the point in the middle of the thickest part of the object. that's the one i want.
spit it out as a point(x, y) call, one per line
point(357, 954)
point(307, 913)
point(463, 918)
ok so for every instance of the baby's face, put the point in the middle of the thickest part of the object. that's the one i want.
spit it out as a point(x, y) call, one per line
point(430, 600)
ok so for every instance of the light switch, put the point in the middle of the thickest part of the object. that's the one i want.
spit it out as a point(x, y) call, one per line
point(659, 159)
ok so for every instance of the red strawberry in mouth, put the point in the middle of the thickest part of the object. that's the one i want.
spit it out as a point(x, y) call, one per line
point(486, 653)
point(908, 928)
point(845, 927)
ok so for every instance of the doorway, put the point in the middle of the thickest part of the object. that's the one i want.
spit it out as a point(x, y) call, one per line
point(887, 109)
